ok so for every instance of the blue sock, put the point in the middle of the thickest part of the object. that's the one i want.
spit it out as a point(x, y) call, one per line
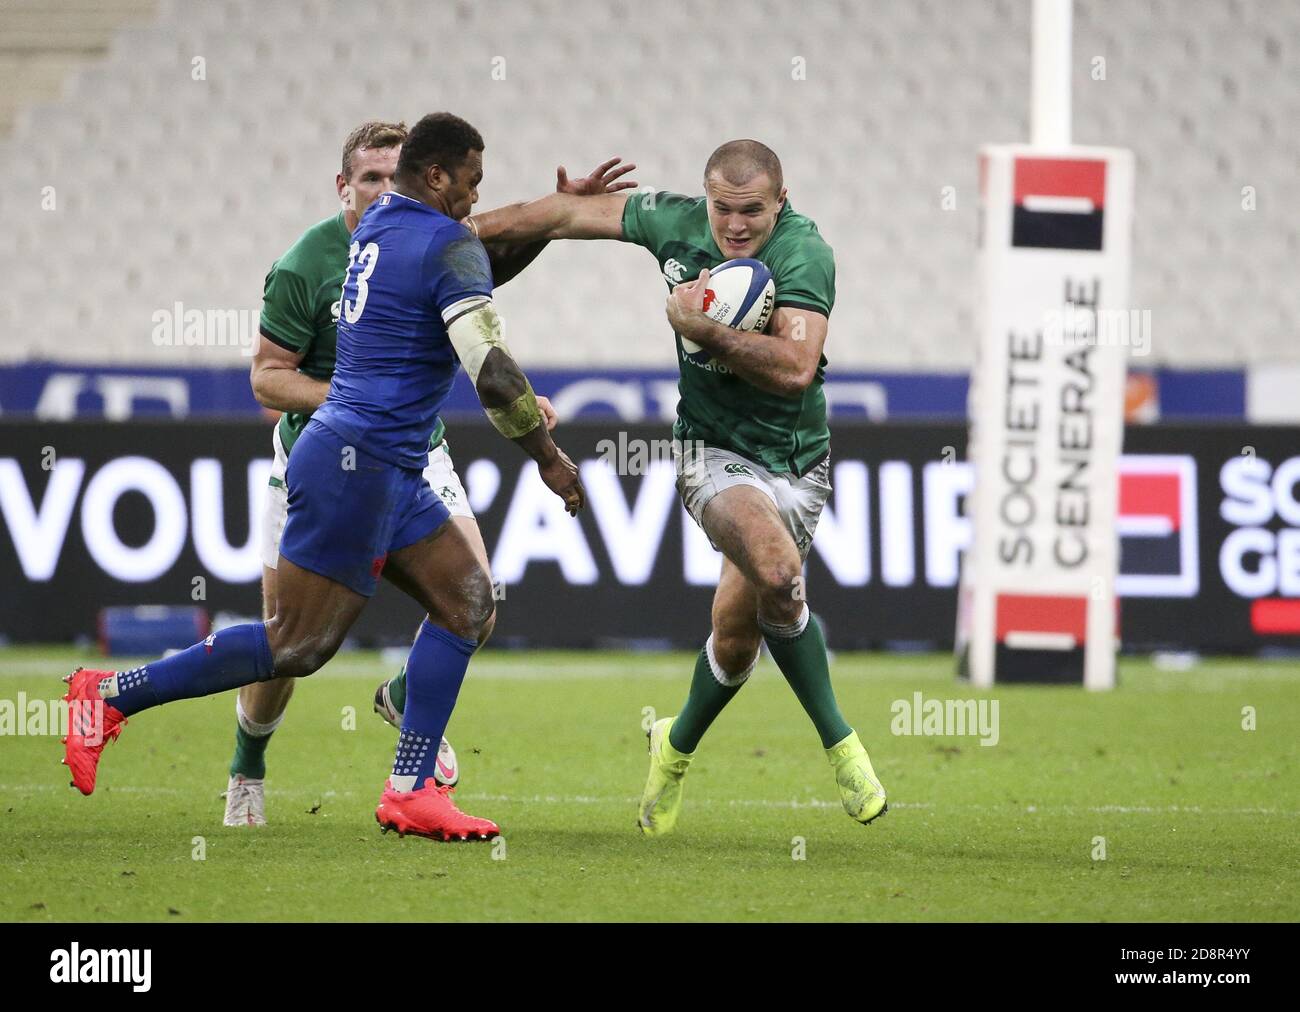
point(434, 671)
point(229, 659)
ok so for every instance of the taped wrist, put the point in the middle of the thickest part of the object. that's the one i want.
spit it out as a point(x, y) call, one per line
point(519, 417)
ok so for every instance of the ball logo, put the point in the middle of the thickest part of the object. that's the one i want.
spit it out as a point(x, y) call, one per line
point(694, 353)
point(769, 300)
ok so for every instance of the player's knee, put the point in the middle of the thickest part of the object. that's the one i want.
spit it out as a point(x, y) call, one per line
point(480, 608)
point(780, 587)
point(297, 656)
point(306, 658)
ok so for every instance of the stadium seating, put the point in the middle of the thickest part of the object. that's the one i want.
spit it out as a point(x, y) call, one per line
point(195, 149)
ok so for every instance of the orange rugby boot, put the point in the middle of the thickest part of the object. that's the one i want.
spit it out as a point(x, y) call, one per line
point(92, 724)
point(429, 812)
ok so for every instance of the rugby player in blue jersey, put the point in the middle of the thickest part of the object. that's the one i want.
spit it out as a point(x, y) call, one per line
point(417, 304)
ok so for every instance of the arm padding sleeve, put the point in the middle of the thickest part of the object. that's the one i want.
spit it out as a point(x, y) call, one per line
point(475, 329)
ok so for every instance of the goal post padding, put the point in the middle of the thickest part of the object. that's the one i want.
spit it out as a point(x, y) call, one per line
point(1037, 594)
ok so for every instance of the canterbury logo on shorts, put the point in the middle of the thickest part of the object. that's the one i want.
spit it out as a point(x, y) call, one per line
point(734, 468)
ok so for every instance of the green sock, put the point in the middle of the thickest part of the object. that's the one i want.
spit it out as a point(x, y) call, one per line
point(397, 690)
point(706, 699)
point(250, 754)
point(801, 656)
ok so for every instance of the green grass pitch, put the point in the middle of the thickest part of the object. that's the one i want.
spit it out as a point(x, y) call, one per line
point(1199, 818)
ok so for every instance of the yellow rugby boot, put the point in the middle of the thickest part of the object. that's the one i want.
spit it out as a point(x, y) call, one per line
point(662, 799)
point(860, 790)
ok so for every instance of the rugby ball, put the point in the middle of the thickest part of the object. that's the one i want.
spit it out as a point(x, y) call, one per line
point(741, 294)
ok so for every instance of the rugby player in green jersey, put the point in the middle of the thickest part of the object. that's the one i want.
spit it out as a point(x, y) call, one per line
point(291, 373)
point(751, 441)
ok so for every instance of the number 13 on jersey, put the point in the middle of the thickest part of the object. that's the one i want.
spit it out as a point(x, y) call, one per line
point(368, 257)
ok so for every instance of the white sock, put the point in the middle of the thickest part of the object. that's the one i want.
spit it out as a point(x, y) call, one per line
point(786, 632)
point(403, 784)
point(252, 727)
point(721, 676)
point(114, 684)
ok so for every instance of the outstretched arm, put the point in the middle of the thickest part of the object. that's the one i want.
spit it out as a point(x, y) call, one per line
point(509, 258)
point(556, 216)
point(781, 362)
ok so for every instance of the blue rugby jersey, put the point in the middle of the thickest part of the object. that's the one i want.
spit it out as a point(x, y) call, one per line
point(408, 264)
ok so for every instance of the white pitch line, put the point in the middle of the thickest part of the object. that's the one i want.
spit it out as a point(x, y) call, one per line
point(793, 803)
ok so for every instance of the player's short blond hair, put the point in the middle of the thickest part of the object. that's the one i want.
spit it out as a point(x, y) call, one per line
point(371, 134)
point(737, 162)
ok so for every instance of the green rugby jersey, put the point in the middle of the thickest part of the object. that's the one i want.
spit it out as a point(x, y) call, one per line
point(300, 309)
point(717, 407)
